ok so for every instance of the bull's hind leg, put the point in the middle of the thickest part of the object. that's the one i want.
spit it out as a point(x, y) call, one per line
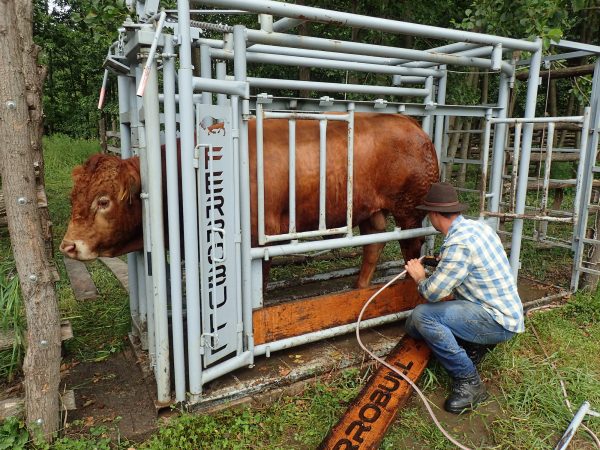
point(411, 248)
point(371, 252)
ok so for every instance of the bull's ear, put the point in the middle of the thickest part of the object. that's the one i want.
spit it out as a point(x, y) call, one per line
point(77, 173)
point(129, 180)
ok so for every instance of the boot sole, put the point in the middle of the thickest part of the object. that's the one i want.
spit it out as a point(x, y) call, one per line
point(481, 398)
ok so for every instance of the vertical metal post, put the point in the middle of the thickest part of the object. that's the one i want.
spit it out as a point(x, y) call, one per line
point(515, 166)
point(440, 119)
point(292, 174)
point(532, 88)
point(157, 244)
point(572, 428)
point(170, 111)
point(485, 148)
point(239, 44)
point(428, 101)
point(205, 72)
point(588, 176)
point(260, 174)
point(350, 183)
point(124, 84)
point(498, 156)
point(189, 197)
point(546, 184)
point(322, 173)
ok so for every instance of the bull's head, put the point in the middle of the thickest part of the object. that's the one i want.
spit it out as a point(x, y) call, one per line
point(106, 210)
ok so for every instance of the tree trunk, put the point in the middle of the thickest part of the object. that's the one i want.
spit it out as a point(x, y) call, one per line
point(20, 138)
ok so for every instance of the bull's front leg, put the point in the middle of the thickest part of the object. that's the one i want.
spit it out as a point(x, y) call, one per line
point(371, 252)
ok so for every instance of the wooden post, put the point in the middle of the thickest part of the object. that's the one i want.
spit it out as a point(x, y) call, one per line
point(102, 132)
point(20, 134)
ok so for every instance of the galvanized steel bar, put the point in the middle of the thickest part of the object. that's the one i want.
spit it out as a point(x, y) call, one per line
point(220, 86)
point(581, 166)
point(124, 87)
point(528, 120)
point(292, 174)
point(355, 20)
point(278, 59)
point(189, 201)
point(315, 43)
point(566, 438)
point(440, 120)
point(515, 166)
point(266, 83)
point(536, 217)
point(306, 234)
point(239, 44)
point(547, 166)
point(354, 241)
point(206, 71)
point(532, 88)
point(260, 175)
point(151, 54)
point(350, 165)
point(157, 243)
point(172, 183)
point(292, 115)
point(428, 102)
point(322, 173)
point(498, 149)
point(227, 366)
point(485, 148)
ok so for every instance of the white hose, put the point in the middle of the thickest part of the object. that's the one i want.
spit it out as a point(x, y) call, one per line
point(389, 366)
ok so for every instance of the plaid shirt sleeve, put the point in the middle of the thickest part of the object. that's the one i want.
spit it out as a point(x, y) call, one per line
point(452, 269)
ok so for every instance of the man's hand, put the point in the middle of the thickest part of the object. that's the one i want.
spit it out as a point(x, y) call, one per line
point(415, 269)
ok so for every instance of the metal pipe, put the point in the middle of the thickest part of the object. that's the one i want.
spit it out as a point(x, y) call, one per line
point(582, 163)
point(429, 105)
point(440, 120)
point(546, 182)
point(355, 20)
point(315, 43)
point(239, 43)
point(260, 174)
point(498, 149)
point(227, 366)
point(350, 164)
point(170, 111)
point(151, 54)
point(292, 174)
point(268, 83)
point(206, 71)
point(278, 59)
point(157, 244)
point(528, 120)
point(292, 115)
point(289, 249)
point(532, 88)
point(322, 173)
point(220, 86)
point(124, 85)
point(515, 166)
point(189, 200)
point(572, 428)
point(306, 234)
point(485, 148)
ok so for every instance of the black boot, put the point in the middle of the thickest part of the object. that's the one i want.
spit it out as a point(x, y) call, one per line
point(466, 394)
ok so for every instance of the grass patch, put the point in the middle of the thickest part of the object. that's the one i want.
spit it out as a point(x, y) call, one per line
point(12, 321)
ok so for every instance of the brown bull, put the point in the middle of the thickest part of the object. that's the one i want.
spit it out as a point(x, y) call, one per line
point(394, 165)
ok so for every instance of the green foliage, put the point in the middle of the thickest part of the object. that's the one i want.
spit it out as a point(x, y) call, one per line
point(11, 319)
point(13, 434)
point(522, 18)
point(75, 36)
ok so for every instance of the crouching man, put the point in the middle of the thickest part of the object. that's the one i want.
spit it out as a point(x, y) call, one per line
point(486, 309)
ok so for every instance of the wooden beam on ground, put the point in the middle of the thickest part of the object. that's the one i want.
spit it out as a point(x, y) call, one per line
point(119, 269)
point(369, 416)
point(81, 281)
point(295, 318)
point(13, 407)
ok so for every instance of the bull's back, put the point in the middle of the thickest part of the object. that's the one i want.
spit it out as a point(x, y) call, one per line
point(394, 163)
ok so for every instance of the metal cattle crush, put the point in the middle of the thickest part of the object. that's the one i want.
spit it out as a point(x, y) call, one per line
point(200, 314)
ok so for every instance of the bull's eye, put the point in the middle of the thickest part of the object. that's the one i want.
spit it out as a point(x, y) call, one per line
point(103, 203)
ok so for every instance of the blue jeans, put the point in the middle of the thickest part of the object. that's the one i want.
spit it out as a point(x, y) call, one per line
point(440, 323)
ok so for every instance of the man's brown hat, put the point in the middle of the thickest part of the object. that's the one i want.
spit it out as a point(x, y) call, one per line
point(442, 197)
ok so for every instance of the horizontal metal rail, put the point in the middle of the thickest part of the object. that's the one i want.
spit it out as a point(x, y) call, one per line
point(358, 21)
point(537, 119)
point(528, 217)
point(354, 241)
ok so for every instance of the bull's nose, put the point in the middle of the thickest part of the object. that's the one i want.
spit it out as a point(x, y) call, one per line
point(68, 248)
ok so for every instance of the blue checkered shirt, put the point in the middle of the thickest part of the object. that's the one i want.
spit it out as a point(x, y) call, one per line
point(473, 266)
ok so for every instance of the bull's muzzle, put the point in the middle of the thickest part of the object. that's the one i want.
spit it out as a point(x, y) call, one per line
point(68, 248)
